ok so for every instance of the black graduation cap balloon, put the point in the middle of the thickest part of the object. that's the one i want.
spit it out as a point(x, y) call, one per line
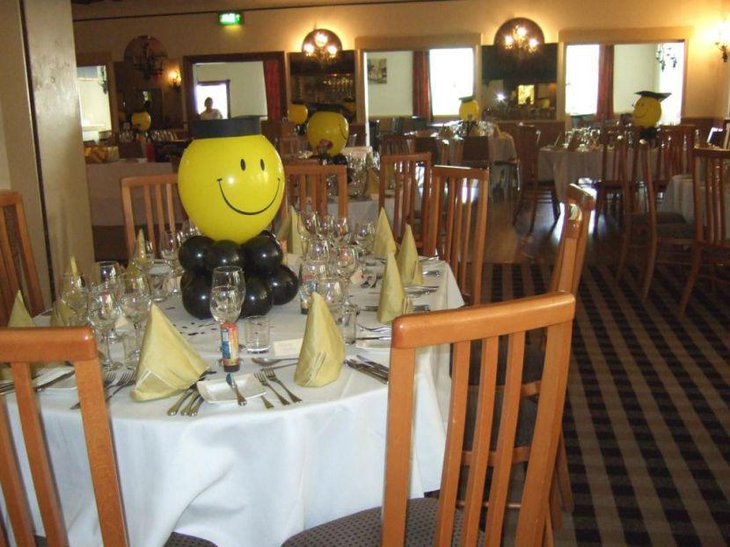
point(647, 109)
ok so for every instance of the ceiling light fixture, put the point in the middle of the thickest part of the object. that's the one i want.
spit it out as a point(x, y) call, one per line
point(322, 45)
point(146, 54)
point(519, 35)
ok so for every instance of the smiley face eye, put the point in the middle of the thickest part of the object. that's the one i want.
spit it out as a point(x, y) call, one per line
point(263, 167)
point(243, 165)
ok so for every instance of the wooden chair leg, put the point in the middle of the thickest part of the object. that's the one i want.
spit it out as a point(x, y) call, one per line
point(556, 204)
point(561, 464)
point(600, 198)
point(625, 246)
point(535, 196)
point(691, 280)
point(554, 503)
point(649, 268)
point(547, 537)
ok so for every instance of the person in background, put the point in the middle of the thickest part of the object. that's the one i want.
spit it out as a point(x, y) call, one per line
point(210, 113)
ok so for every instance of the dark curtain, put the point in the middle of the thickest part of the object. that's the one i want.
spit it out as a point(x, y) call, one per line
point(604, 107)
point(421, 87)
point(273, 88)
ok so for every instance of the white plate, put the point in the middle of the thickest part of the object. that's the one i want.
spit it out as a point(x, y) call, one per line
point(218, 390)
point(373, 344)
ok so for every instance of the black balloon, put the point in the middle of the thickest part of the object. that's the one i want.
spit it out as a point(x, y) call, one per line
point(258, 300)
point(263, 255)
point(193, 252)
point(196, 297)
point(284, 285)
point(223, 253)
point(339, 159)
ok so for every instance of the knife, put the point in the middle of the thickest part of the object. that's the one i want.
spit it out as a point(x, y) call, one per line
point(416, 308)
point(372, 363)
point(374, 338)
point(365, 369)
point(55, 380)
point(239, 396)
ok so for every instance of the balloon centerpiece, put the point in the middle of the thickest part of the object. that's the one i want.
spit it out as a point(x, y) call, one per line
point(648, 111)
point(297, 112)
point(327, 133)
point(468, 114)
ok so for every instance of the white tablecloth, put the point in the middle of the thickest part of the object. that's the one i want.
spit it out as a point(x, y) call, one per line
point(679, 198)
point(104, 193)
point(359, 152)
point(567, 166)
point(250, 476)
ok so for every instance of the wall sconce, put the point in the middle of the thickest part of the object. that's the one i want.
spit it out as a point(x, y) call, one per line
point(321, 44)
point(175, 79)
point(146, 54)
point(723, 38)
point(520, 35)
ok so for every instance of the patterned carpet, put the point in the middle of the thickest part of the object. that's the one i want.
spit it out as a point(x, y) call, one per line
point(646, 421)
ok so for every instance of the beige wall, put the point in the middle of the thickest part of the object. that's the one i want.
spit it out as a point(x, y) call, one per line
point(278, 30)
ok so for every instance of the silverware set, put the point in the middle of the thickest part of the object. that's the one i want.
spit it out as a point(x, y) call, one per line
point(370, 368)
point(112, 380)
point(268, 374)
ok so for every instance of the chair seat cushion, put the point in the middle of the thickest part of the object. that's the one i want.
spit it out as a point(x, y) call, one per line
point(181, 540)
point(363, 529)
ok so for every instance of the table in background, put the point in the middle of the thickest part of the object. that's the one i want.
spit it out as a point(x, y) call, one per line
point(679, 198)
point(565, 166)
point(250, 476)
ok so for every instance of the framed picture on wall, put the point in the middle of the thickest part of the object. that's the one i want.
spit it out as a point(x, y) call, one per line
point(377, 71)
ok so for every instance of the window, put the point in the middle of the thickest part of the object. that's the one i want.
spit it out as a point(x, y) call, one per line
point(451, 77)
point(94, 101)
point(218, 91)
point(581, 79)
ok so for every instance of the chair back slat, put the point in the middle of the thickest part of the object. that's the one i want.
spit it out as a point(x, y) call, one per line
point(307, 182)
point(17, 264)
point(553, 312)
point(22, 348)
point(710, 191)
point(458, 223)
point(160, 205)
point(409, 178)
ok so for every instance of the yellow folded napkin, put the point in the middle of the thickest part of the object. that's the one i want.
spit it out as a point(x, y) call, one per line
point(408, 264)
point(393, 299)
point(384, 242)
point(139, 255)
point(289, 232)
point(20, 318)
point(323, 349)
point(167, 364)
point(73, 268)
point(372, 185)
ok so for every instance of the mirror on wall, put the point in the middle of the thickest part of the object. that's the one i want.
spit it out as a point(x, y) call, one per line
point(94, 101)
point(157, 95)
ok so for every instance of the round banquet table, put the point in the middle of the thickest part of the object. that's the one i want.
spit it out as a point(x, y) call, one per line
point(241, 476)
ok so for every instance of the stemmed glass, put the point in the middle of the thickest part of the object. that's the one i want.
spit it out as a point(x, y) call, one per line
point(169, 246)
point(108, 272)
point(227, 292)
point(365, 238)
point(332, 291)
point(310, 272)
point(103, 312)
point(345, 263)
point(75, 294)
point(136, 301)
point(341, 230)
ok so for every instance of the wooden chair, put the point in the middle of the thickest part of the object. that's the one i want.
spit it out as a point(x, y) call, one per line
point(458, 224)
point(23, 348)
point(711, 244)
point(161, 206)
point(17, 266)
point(475, 152)
point(617, 148)
point(430, 521)
point(646, 228)
point(674, 153)
point(438, 148)
point(397, 145)
point(532, 190)
point(408, 176)
point(311, 182)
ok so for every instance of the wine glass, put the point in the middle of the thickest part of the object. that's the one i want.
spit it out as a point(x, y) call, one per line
point(341, 230)
point(227, 292)
point(365, 236)
point(345, 263)
point(310, 271)
point(135, 301)
point(169, 247)
point(75, 294)
point(103, 312)
point(332, 291)
point(108, 272)
point(319, 249)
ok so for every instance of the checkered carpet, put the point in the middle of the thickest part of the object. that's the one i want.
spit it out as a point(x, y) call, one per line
point(646, 421)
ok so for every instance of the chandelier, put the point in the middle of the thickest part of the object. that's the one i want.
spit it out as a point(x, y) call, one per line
point(665, 56)
point(519, 35)
point(146, 54)
point(322, 45)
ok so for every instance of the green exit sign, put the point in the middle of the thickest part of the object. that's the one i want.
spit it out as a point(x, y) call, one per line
point(229, 18)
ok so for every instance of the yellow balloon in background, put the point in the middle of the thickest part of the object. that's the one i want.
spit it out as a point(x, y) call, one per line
point(297, 113)
point(647, 111)
point(231, 187)
point(328, 126)
point(141, 121)
point(469, 110)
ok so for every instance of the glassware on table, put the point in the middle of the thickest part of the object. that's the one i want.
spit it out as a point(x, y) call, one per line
point(318, 249)
point(365, 236)
point(310, 271)
point(188, 229)
point(345, 317)
point(136, 301)
point(326, 227)
point(169, 247)
point(341, 231)
point(256, 334)
point(103, 312)
point(345, 262)
point(106, 271)
point(228, 289)
point(332, 291)
point(75, 294)
point(159, 276)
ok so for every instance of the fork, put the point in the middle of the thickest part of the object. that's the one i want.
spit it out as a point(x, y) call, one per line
point(271, 375)
point(109, 379)
point(264, 382)
point(127, 379)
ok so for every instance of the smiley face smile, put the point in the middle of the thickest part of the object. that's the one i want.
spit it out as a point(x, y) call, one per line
point(248, 213)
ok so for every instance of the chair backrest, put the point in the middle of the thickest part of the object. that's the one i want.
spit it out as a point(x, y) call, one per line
point(573, 241)
point(674, 145)
point(21, 348)
point(716, 137)
point(475, 152)
point(17, 266)
point(614, 157)
point(311, 182)
point(160, 207)
point(458, 224)
point(397, 144)
point(527, 148)
point(439, 148)
point(710, 190)
point(554, 312)
point(408, 176)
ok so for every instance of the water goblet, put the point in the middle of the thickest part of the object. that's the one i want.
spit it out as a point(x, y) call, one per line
point(103, 312)
point(75, 294)
point(318, 249)
point(310, 271)
point(345, 263)
point(169, 247)
point(136, 301)
point(228, 289)
point(341, 231)
point(108, 272)
point(158, 274)
point(332, 291)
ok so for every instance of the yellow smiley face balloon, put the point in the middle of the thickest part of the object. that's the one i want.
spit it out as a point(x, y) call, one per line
point(141, 121)
point(231, 187)
point(297, 113)
point(469, 110)
point(328, 126)
point(647, 112)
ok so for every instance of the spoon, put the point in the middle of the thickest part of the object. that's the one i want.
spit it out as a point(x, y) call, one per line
point(267, 361)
